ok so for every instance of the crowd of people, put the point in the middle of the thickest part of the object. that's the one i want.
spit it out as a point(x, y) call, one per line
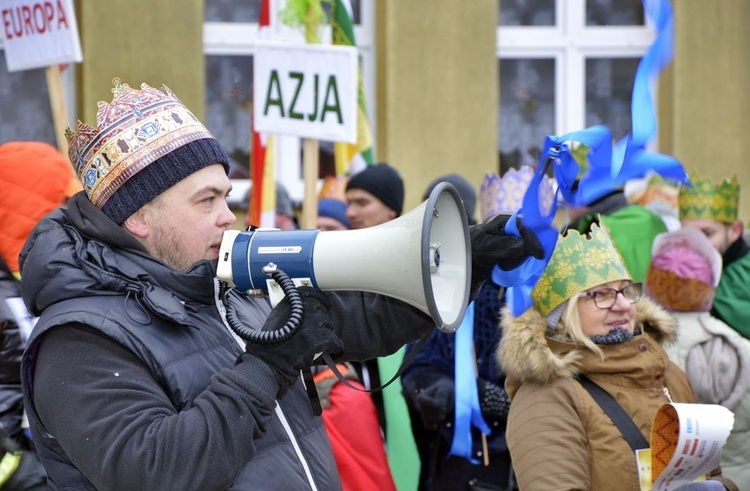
point(122, 367)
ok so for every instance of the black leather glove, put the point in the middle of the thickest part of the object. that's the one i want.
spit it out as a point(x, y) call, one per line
point(490, 245)
point(435, 402)
point(315, 335)
point(493, 400)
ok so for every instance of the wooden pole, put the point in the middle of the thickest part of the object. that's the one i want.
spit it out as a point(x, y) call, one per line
point(485, 447)
point(310, 148)
point(310, 166)
point(57, 103)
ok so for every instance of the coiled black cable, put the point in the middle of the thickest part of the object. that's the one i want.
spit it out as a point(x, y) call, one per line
point(277, 335)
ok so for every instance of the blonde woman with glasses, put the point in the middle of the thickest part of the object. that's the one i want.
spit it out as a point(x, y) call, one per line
point(589, 324)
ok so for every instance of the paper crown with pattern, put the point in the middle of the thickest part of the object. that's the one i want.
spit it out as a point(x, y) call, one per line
point(659, 191)
point(137, 128)
point(505, 195)
point(704, 200)
point(578, 264)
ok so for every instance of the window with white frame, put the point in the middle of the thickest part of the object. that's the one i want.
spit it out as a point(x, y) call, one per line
point(230, 33)
point(565, 65)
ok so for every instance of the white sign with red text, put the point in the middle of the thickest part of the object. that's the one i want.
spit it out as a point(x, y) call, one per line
point(39, 33)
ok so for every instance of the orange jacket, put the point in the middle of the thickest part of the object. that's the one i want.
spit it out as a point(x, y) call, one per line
point(35, 178)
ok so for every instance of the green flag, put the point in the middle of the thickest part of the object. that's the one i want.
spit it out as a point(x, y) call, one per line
point(351, 158)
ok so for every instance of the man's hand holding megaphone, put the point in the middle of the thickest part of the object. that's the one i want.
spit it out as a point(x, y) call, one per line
point(286, 358)
point(491, 245)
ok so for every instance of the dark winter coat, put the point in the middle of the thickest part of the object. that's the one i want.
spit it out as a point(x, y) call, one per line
point(11, 349)
point(130, 376)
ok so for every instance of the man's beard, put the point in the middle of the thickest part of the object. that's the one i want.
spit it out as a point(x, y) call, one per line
point(168, 250)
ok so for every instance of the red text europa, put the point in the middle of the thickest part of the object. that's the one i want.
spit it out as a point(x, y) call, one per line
point(30, 20)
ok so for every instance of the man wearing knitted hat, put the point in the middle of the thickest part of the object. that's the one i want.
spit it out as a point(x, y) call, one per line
point(131, 377)
point(713, 209)
point(375, 195)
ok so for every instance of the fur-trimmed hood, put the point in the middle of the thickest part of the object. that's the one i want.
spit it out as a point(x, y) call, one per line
point(527, 355)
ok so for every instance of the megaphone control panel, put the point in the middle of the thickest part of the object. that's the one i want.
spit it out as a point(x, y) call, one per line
point(244, 257)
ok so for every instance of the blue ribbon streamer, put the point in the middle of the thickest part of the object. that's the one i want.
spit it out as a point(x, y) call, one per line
point(658, 56)
point(467, 410)
point(609, 168)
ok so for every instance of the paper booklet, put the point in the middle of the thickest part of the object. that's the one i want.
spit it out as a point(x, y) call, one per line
point(686, 444)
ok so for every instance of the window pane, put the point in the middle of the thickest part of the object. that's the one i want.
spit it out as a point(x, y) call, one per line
point(229, 87)
point(526, 12)
point(249, 10)
point(527, 110)
point(614, 13)
point(25, 112)
point(609, 88)
point(232, 10)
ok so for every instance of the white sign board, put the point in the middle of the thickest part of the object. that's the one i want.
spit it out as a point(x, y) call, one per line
point(306, 90)
point(39, 33)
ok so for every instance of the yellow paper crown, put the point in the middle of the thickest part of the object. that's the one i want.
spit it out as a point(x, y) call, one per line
point(137, 128)
point(705, 201)
point(577, 264)
point(658, 190)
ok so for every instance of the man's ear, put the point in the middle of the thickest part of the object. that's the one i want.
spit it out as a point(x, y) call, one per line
point(736, 228)
point(137, 224)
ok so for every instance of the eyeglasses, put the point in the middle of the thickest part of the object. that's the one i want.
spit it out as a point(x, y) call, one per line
point(605, 298)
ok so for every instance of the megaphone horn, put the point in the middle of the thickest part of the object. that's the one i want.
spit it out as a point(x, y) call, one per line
point(422, 258)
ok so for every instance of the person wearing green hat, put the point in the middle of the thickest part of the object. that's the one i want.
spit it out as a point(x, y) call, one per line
point(589, 323)
point(713, 209)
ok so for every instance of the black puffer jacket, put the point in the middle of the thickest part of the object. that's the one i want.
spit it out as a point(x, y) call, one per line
point(11, 348)
point(129, 377)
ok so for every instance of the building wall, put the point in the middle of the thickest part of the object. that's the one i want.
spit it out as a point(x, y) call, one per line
point(436, 90)
point(706, 115)
point(140, 41)
point(437, 80)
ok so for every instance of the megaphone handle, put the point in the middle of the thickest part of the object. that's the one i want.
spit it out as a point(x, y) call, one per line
point(277, 335)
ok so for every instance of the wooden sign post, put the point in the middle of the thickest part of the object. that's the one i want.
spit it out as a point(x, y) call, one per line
point(310, 171)
point(57, 103)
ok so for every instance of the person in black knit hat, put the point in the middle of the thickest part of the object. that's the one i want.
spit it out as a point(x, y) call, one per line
point(132, 376)
point(374, 196)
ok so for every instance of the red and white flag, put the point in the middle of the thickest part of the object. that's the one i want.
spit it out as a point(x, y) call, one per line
point(262, 166)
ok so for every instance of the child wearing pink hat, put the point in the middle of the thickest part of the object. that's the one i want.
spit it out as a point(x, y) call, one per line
point(683, 275)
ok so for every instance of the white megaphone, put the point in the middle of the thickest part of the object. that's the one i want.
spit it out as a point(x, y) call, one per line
point(422, 258)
